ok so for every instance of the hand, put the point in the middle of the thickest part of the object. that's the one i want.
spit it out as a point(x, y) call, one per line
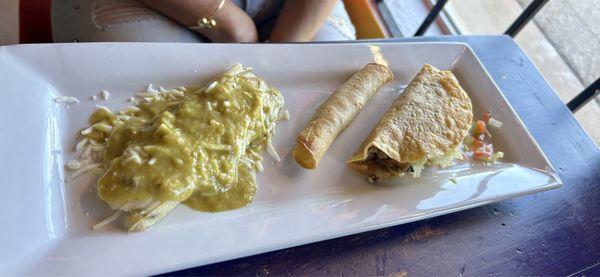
point(233, 24)
point(300, 20)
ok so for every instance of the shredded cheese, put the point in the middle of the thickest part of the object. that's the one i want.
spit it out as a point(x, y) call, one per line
point(73, 164)
point(145, 94)
point(66, 99)
point(151, 89)
point(217, 147)
point(107, 220)
point(271, 150)
point(103, 108)
point(82, 170)
point(81, 144)
point(105, 94)
point(87, 152)
point(210, 86)
point(285, 115)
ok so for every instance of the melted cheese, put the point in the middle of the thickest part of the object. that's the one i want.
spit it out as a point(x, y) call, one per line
point(196, 146)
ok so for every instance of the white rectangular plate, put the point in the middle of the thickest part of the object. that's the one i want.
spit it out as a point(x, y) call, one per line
point(46, 223)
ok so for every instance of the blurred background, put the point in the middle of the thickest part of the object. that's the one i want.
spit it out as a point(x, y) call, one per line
point(563, 39)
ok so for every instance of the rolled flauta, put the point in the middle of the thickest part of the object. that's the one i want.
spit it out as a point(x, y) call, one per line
point(337, 112)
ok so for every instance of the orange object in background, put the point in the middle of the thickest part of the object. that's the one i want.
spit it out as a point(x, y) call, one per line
point(366, 19)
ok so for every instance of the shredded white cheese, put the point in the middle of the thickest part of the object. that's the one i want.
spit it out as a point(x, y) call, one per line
point(151, 89)
point(145, 94)
point(132, 109)
point(73, 164)
point(103, 108)
point(66, 99)
point(97, 148)
point(81, 144)
point(495, 123)
point(217, 147)
point(87, 152)
point(105, 94)
point(285, 115)
point(133, 155)
point(87, 130)
point(271, 150)
point(107, 220)
point(176, 92)
point(102, 127)
point(82, 170)
point(210, 86)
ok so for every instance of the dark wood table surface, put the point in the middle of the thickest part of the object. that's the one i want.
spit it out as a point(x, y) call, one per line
point(550, 233)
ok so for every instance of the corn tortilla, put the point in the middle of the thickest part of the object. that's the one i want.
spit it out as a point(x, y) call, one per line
point(337, 112)
point(427, 122)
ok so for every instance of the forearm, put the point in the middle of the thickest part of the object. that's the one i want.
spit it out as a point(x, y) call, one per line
point(299, 20)
point(233, 24)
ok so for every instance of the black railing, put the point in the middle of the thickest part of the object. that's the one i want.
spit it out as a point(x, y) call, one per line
point(524, 17)
point(433, 14)
point(576, 103)
point(585, 96)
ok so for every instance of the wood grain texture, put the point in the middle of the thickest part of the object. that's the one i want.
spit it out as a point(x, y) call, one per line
point(550, 233)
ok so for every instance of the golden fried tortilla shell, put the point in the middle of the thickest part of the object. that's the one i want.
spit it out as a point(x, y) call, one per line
point(429, 119)
point(337, 112)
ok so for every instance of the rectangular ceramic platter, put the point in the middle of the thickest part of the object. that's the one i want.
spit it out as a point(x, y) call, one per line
point(46, 223)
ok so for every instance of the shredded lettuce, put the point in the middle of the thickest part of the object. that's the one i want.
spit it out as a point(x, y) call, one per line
point(496, 156)
point(442, 162)
point(448, 159)
point(495, 123)
point(468, 142)
point(418, 167)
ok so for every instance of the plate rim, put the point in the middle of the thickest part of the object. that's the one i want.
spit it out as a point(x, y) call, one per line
point(343, 233)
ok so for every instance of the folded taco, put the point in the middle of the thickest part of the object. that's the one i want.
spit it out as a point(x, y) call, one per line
point(424, 126)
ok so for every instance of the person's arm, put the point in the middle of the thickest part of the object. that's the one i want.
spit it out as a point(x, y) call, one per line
point(233, 24)
point(299, 20)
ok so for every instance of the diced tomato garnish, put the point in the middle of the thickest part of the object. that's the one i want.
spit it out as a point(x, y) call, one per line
point(489, 148)
point(481, 154)
point(487, 116)
point(476, 144)
point(480, 127)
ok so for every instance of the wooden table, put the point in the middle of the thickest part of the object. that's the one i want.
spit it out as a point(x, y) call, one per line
point(550, 233)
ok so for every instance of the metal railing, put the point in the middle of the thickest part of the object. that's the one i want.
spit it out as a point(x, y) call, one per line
point(530, 11)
